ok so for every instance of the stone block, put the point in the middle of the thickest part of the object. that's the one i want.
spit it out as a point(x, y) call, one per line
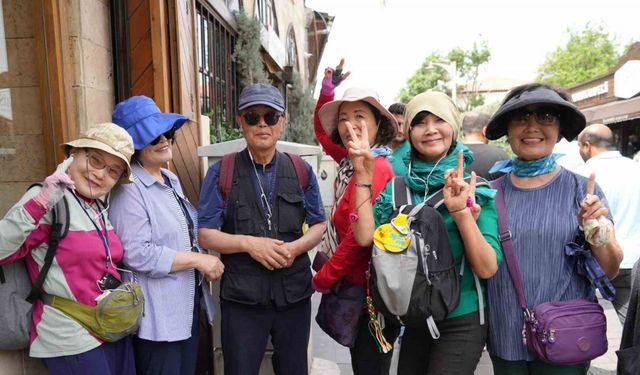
point(97, 67)
point(25, 161)
point(95, 22)
point(22, 114)
point(18, 19)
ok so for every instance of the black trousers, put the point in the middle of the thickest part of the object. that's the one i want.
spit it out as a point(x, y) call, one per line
point(456, 352)
point(366, 358)
point(246, 329)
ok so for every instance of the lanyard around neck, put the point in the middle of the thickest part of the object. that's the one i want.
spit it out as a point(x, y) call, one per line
point(266, 204)
point(103, 236)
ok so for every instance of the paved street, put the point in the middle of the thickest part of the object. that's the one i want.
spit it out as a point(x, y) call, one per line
point(331, 358)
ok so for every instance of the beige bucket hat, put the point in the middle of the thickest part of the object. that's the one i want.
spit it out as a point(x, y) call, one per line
point(329, 112)
point(107, 137)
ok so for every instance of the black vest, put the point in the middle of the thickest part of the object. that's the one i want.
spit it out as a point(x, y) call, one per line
point(246, 280)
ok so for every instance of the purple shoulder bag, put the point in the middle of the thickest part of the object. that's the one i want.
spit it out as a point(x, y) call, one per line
point(560, 333)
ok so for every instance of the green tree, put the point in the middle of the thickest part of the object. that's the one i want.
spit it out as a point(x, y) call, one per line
point(247, 51)
point(588, 53)
point(300, 110)
point(434, 77)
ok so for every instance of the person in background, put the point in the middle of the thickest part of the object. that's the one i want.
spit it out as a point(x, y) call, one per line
point(399, 145)
point(257, 227)
point(437, 162)
point(96, 162)
point(619, 178)
point(157, 225)
point(484, 154)
point(544, 205)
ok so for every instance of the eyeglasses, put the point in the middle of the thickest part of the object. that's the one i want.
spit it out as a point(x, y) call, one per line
point(271, 118)
point(543, 116)
point(168, 135)
point(98, 163)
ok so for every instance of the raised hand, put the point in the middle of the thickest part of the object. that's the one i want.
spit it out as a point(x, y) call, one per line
point(333, 78)
point(593, 216)
point(457, 192)
point(55, 185)
point(360, 151)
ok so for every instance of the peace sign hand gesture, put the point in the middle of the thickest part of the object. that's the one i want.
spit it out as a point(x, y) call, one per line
point(360, 152)
point(458, 194)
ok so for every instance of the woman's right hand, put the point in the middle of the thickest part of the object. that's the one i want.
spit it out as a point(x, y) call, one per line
point(210, 266)
point(333, 78)
point(360, 153)
point(55, 185)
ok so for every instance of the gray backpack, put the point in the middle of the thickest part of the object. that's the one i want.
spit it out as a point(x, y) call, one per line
point(421, 283)
point(17, 293)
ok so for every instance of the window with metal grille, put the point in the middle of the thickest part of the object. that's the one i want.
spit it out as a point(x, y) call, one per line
point(217, 70)
point(265, 11)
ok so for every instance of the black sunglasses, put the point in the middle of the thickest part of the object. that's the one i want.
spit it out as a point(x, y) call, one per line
point(270, 118)
point(168, 135)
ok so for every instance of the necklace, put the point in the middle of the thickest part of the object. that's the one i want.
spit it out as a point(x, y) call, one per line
point(263, 197)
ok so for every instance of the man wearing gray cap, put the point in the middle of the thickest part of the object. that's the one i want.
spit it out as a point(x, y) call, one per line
point(253, 205)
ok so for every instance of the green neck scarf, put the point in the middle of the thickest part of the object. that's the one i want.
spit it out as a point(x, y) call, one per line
point(427, 174)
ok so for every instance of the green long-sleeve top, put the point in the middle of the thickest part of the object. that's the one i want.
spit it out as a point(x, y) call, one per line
point(487, 223)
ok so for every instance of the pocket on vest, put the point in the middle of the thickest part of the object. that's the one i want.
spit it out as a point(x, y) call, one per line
point(297, 285)
point(242, 288)
point(290, 213)
point(244, 221)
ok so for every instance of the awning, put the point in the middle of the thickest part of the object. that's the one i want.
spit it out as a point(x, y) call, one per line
point(610, 113)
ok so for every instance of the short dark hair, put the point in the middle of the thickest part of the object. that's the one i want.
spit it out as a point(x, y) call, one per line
point(386, 132)
point(474, 122)
point(598, 140)
point(397, 109)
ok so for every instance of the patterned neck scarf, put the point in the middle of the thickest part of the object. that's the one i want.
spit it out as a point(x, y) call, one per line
point(330, 238)
point(527, 168)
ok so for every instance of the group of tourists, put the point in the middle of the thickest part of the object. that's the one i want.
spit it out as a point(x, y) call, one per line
point(133, 232)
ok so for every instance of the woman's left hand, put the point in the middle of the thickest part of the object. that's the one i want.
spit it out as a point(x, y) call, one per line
point(591, 206)
point(360, 153)
point(458, 194)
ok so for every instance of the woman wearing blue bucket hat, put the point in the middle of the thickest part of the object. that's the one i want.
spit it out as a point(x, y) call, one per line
point(157, 226)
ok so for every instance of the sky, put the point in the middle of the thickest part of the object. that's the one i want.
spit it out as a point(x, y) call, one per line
point(385, 42)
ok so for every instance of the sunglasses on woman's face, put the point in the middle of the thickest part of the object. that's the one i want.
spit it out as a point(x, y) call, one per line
point(271, 118)
point(168, 135)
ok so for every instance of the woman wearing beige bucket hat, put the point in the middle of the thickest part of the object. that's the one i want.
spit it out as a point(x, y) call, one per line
point(84, 265)
point(347, 260)
point(454, 344)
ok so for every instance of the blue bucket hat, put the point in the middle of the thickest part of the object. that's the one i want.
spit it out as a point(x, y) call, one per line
point(142, 119)
point(261, 93)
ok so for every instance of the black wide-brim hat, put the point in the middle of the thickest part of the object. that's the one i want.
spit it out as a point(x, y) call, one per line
point(572, 121)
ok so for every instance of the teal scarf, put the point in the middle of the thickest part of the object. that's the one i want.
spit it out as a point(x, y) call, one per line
point(425, 178)
point(527, 168)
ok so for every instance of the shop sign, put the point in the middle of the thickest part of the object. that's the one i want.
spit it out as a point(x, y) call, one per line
point(600, 89)
point(627, 80)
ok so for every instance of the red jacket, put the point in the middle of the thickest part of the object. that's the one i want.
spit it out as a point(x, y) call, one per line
point(350, 260)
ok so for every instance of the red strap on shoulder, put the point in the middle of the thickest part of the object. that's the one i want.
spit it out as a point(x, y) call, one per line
point(225, 180)
point(301, 170)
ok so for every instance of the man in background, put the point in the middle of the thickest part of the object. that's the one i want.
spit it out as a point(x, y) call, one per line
point(619, 178)
point(400, 145)
point(484, 154)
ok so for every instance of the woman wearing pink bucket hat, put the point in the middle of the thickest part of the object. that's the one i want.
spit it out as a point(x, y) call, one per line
point(335, 121)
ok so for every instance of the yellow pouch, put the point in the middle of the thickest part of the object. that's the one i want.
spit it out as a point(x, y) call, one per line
point(393, 236)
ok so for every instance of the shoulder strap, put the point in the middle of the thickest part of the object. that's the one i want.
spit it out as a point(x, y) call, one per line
point(436, 199)
point(507, 244)
point(225, 179)
point(59, 229)
point(301, 170)
point(400, 194)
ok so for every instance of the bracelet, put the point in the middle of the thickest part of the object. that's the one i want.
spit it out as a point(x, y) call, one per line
point(353, 216)
point(368, 186)
point(454, 211)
